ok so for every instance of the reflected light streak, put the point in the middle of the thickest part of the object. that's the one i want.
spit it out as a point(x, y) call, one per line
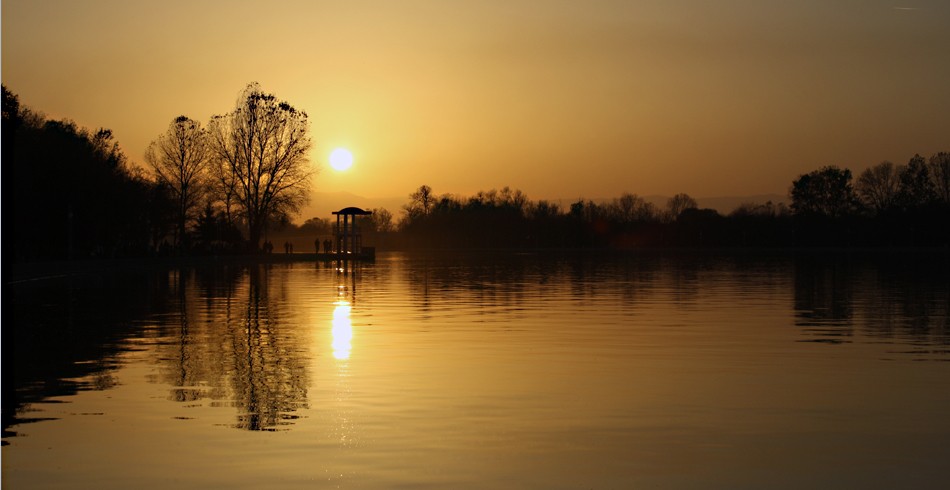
point(342, 330)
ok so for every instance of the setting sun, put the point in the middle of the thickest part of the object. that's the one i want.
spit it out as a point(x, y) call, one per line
point(341, 159)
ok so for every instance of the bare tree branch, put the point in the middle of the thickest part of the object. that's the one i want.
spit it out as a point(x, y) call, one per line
point(179, 159)
point(261, 162)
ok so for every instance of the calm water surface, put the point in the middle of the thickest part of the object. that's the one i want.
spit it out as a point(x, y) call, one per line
point(480, 371)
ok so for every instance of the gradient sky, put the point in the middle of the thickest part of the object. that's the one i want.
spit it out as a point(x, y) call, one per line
point(560, 99)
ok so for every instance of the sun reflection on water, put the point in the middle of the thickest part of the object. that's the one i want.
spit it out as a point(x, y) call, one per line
point(342, 330)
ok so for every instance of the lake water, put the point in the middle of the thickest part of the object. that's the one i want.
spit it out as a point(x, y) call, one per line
point(485, 371)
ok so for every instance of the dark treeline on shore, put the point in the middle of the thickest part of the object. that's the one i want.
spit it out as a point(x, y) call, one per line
point(889, 206)
point(205, 191)
point(77, 196)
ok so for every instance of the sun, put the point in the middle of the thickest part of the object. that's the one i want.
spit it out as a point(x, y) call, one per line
point(341, 159)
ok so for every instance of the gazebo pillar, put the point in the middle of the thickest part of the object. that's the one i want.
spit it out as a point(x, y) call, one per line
point(336, 237)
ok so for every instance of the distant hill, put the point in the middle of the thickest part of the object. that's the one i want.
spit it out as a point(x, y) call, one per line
point(322, 204)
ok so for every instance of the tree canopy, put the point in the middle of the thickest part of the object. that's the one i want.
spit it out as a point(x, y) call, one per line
point(260, 159)
point(826, 191)
point(179, 158)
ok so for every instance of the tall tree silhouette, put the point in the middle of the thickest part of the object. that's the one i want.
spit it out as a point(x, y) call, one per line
point(420, 202)
point(826, 191)
point(11, 121)
point(877, 186)
point(940, 172)
point(76, 195)
point(916, 189)
point(679, 203)
point(180, 159)
point(260, 153)
point(382, 220)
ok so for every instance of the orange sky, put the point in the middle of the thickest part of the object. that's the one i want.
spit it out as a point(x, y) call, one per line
point(560, 99)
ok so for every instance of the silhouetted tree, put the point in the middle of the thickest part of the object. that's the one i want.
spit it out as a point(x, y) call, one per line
point(420, 201)
point(512, 199)
point(940, 173)
point(877, 186)
point(76, 195)
point(316, 226)
point(11, 120)
point(260, 152)
point(382, 220)
point(678, 203)
point(11, 105)
point(179, 158)
point(225, 185)
point(544, 210)
point(626, 208)
point(915, 189)
point(447, 203)
point(826, 191)
point(577, 209)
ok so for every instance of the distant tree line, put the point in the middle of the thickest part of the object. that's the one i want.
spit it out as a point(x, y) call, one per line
point(890, 205)
point(508, 219)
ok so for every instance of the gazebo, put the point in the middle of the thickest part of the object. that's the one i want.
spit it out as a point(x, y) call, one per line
point(348, 238)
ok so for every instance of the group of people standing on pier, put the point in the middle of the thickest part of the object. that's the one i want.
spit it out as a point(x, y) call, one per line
point(268, 247)
point(327, 244)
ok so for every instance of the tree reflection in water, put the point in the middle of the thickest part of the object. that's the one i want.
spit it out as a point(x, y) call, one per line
point(234, 349)
point(891, 298)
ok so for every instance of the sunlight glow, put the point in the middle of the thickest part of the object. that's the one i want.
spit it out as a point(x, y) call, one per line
point(342, 331)
point(341, 159)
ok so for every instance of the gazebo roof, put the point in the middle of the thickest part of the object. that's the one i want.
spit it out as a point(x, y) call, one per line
point(353, 211)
